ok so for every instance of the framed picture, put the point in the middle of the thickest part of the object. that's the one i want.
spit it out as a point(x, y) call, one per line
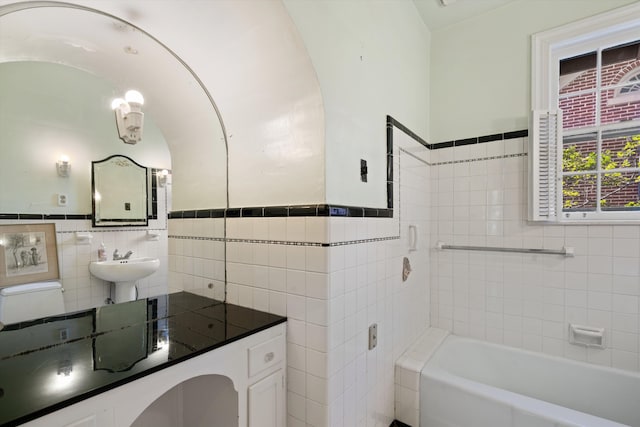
point(28, 253)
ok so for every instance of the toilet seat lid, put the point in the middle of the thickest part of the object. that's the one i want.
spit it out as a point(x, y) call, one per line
point(29, 287)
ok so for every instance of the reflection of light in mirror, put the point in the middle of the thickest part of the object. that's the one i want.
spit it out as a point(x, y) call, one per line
point(129, 116)
point(162, 177)
point(97, 196)
point(160, 355)
point(64, 166)
point(62, 378)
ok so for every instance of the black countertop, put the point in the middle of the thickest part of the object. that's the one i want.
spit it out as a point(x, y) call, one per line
point(50, 363)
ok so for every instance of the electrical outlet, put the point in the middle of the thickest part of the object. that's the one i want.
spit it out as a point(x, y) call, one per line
point(62, 199)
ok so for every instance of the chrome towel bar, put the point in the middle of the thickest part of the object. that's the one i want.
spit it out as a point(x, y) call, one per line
point(566, 251)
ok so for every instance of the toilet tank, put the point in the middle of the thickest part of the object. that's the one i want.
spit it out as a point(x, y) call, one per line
point(30, 301)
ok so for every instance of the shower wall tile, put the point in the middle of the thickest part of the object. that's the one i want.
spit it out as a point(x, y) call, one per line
point(525, 300)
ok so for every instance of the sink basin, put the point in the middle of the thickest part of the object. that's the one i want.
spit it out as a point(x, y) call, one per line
point(124, 273)
point(124, 270)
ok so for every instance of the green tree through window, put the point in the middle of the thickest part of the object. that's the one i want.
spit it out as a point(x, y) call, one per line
point(580, 189)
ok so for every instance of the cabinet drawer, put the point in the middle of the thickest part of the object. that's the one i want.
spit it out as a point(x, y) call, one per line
point(265, 355)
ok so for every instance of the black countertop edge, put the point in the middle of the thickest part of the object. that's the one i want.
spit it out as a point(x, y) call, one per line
point(92, 393)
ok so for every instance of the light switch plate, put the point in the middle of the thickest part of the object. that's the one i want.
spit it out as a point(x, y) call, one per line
point(373, 336)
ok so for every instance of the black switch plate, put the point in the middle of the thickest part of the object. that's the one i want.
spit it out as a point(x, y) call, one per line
point(363, 170)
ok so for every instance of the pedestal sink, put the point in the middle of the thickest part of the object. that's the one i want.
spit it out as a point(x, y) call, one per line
point(124, 273)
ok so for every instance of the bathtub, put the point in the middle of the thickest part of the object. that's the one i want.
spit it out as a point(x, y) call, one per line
point(474, 383)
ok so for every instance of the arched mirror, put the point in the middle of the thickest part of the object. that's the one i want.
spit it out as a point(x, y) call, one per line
point(61, 66)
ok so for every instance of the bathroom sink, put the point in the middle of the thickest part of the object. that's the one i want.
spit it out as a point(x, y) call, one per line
point(124, 270)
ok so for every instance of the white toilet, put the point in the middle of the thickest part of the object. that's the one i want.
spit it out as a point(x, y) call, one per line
point(30, 301)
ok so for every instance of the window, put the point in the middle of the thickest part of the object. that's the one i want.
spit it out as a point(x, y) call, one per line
point(585, 134)
point(631, 91)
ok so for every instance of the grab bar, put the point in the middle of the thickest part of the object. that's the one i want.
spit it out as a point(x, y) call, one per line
point(565, 251)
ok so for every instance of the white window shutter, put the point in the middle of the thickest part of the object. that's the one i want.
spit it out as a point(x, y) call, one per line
point(545, 166)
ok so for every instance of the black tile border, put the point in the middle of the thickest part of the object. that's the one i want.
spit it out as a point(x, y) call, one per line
point(481, 139)
point(62, 217)
point(322, 210)
point(341, 210)
point(31, 217)
point(453, 143)
point(391, 123)
point(300, 210)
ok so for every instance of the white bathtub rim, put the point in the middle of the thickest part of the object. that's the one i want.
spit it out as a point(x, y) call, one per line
point(433, 369)
point(545, 410)
point(435, 357)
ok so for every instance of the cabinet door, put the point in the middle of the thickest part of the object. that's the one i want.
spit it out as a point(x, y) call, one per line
point(266, 401)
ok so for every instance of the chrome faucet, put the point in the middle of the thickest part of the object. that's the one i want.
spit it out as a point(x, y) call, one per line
point(117, 256)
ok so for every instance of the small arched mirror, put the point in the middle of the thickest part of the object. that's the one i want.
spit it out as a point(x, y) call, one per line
point(120, 192)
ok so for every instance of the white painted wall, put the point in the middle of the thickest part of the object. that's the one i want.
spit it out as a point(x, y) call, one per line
point(251, 58)
point(481, 68)
point(372, 60)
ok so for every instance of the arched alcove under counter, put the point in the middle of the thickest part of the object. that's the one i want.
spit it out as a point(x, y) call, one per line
point(181, 358)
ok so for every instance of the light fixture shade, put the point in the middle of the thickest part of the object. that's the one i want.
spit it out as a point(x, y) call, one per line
point(162, 177)
point(119, 103)
point(133, 96)
point(129, 116)
point(63, 166)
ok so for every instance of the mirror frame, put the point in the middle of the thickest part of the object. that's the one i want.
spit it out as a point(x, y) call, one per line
point(119, 222)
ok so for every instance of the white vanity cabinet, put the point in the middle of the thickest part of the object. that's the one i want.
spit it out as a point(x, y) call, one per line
point(266, 396)
point(243, 381)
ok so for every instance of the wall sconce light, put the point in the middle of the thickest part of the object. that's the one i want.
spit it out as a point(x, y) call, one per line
point(129, 116)
point(63, 166)
point(162, 177)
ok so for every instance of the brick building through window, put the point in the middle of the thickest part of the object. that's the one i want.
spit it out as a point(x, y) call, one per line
point(597, 91)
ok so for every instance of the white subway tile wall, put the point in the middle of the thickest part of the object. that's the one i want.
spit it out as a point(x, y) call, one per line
point(196, 257)
point(82, 290)
point(523, 300)
point(331, 295)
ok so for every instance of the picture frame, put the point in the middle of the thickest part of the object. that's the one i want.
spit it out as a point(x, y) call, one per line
point(28, 253)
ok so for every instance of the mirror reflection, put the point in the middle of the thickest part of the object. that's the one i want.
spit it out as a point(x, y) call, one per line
point(61, 67)
point(120, 57)
point(119, 188)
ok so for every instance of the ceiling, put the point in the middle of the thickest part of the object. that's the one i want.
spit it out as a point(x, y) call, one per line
point(436, 16)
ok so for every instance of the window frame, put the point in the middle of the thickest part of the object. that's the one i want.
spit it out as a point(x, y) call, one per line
point(608, 29)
